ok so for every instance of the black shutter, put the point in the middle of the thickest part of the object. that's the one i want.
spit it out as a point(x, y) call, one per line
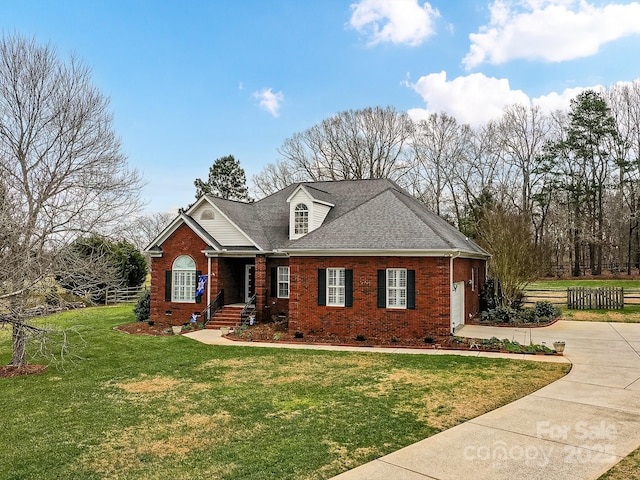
point(198, 298)
point(348, 288)
point(322, 286)
point(274, 281)
point(167, 285)
point(382, 288)
point(411, 289)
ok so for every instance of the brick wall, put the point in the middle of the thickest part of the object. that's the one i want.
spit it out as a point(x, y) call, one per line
point(274, 306)
point(430, 317)
point(182, 242)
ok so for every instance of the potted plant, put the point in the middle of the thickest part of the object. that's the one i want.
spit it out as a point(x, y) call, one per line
point(176, 329)
point(558, 346)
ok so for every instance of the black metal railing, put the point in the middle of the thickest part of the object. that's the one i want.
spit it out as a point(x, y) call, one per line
point(248, 311)
point(209, 312)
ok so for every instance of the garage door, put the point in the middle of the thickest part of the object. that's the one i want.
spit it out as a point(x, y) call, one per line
point(457, 306)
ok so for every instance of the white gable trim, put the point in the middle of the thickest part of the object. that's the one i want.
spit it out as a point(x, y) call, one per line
point(177, 222)
point(308, 194)
point(218, 211)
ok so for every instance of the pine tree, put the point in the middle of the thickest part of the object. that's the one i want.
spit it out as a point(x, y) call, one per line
point(226, 180)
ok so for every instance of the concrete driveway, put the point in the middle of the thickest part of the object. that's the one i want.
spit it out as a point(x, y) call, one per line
point(577, 427)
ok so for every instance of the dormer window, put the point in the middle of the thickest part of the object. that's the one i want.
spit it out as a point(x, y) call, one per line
point(301, 219)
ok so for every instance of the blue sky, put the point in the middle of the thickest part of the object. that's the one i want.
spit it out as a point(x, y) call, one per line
point(191, 81)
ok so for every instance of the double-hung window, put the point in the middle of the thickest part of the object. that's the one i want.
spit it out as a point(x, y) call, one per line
point(335, 287)
point(396, 288)
point(283, 282)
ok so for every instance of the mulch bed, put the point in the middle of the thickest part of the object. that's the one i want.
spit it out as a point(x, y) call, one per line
point(277, 333)
point(484, 323)
point(11, 371)
point(272, 332)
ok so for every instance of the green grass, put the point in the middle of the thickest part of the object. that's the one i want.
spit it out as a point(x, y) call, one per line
point(627, 469)
point(137, 407)
point(565, 283)
point(629, 314)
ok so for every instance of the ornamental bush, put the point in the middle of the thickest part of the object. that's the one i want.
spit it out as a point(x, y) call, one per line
point(143, 307)
point(546, 310)
point(541, 312)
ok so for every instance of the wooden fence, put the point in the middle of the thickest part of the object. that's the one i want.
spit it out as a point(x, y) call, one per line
point(604, 298)
point(124, 295)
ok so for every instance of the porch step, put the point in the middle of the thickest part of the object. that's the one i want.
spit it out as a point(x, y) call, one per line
point(226, 317)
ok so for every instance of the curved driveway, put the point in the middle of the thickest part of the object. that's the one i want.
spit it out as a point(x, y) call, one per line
point(577, 427)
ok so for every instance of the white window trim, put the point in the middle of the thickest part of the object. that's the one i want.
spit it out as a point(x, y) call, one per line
point(339, 288)
point(397, 289)
point(283, 282)
point(305, 219)
point(187, 276)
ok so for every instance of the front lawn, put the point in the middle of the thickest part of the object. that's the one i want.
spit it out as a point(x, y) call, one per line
point(141, 407)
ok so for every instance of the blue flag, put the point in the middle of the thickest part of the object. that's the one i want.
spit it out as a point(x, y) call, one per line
point(202, 283)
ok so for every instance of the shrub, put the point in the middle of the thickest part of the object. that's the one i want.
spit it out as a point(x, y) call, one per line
point(500, 314)
point(528, 315)
point(143, 307)
point(546, 310)
point(360, 338)
point(298, 335)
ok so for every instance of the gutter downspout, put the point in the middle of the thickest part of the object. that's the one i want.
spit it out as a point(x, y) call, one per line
point(208, 281)
point(451, 259)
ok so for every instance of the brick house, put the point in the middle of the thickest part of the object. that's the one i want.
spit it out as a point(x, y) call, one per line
point(354, 257)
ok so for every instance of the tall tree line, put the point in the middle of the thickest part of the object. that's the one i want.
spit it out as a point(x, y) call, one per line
point(574, 175)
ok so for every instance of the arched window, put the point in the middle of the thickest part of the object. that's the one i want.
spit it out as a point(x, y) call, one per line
point(301, 219)
point(207, 214)
point(183, 276)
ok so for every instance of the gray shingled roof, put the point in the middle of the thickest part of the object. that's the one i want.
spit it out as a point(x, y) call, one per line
point(367, 215)
point(389, 221)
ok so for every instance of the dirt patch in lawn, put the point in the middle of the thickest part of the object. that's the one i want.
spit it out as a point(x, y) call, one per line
point(144, 328)
point(12, 371)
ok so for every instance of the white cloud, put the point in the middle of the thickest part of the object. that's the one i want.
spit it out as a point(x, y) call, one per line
point(560, 101)
point(475, 99)
point(394, 21)
point(269, 101)
point(549, 30)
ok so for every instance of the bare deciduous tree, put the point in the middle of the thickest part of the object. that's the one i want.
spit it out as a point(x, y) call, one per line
point(63, 172)
point(275, 177)
point(439, 144)
point(354, 144)
point(140, 230)
point(515, 259)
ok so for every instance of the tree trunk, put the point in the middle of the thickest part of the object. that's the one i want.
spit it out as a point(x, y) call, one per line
point(576, 255)
point(19, 336)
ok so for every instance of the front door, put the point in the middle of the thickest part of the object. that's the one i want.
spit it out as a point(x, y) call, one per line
point(249, 282)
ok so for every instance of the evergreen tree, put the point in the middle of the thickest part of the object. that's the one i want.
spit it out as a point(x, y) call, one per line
point(226, 180)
